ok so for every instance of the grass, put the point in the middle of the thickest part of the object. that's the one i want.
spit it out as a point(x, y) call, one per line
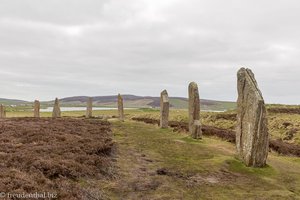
point(198, 169)
point(279, 130)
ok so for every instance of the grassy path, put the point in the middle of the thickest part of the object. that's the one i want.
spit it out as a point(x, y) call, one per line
point(158, 164)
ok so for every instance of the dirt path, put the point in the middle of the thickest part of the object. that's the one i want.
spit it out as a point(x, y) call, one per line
point(137, 174)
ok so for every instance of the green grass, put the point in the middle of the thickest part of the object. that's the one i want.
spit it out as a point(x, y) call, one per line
point(189, 158)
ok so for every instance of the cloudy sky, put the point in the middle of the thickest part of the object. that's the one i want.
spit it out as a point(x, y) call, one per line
point(59, 48)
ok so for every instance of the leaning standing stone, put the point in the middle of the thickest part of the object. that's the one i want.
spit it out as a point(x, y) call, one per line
point(89, 108)
point(164, 109)
point(120, 108)
point(194, 111)
point(252, 137)
point(36, 109)
point(56, 109)
point(2, 111)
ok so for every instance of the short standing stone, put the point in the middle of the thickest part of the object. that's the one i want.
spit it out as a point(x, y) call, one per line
point(194, 111)
point(36, 109)
point(120, 108)
point(164, 109)
point(252, 137)
point(2, 111)
point(89, 108)
point(56, 109)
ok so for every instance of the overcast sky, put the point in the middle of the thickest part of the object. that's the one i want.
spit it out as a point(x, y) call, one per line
point(60, 48)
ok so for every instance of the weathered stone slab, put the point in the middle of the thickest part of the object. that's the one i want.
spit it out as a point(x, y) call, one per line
point(56, 109)
point(120, 108)
point(252, 137)
point(89, 108)
point(36, 109)
point(2, 111)
point(164, 109)
point(194, 111)
point(196, 130)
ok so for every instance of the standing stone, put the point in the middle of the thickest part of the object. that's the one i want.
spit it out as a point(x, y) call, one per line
point(164, 109)
point(2, 111)
point(194, 111)
point(56, 109)
point(36, 109)
point(120, 108)
point(89, 108)
point(252, 137)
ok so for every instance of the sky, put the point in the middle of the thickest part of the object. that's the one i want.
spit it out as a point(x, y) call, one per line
point(61, 48)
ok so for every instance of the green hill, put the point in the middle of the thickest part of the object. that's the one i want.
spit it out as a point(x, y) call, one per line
point(146, 102)
point(130, 101)
point(12, 101)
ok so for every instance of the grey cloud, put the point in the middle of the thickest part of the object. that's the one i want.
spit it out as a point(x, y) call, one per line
point(79, 47)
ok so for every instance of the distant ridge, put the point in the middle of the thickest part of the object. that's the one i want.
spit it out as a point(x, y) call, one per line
point(132, 101)
point(12, 101)
point(147, 102)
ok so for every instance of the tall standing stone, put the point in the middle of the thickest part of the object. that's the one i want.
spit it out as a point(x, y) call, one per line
point(56, 109)
point(89, 108)
point(36, 109)
point(194, 111)
point(2, 111)
point(120, 108)
point(164, 109)
point(252, 137)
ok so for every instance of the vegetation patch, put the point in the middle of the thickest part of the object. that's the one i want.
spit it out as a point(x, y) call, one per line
point(228, 135)
point(54, 155)
point(159, 163)
point(287, 110)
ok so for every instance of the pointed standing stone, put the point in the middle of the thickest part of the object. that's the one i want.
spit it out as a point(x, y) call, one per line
point(164, 109)
point(194, 111)
point(89, 108)
point(56, 109)
point(2, 111)
point(252, 137)
point(36, 109)
point(120, 108)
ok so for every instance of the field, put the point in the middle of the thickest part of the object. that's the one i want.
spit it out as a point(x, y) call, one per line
point(145, 162)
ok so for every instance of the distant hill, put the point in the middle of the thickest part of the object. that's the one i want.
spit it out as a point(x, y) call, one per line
point(12, 101)
point(145, 102)
point(130, 101)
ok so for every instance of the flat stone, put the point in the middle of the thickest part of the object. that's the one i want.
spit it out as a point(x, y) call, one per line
point(194, 111)
point(120, 108)
point(89, 108)
point(56, 109)
point(36, 109)
point(252, 137)
point(196, 130)
point(2, 111)
point(164, 109)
